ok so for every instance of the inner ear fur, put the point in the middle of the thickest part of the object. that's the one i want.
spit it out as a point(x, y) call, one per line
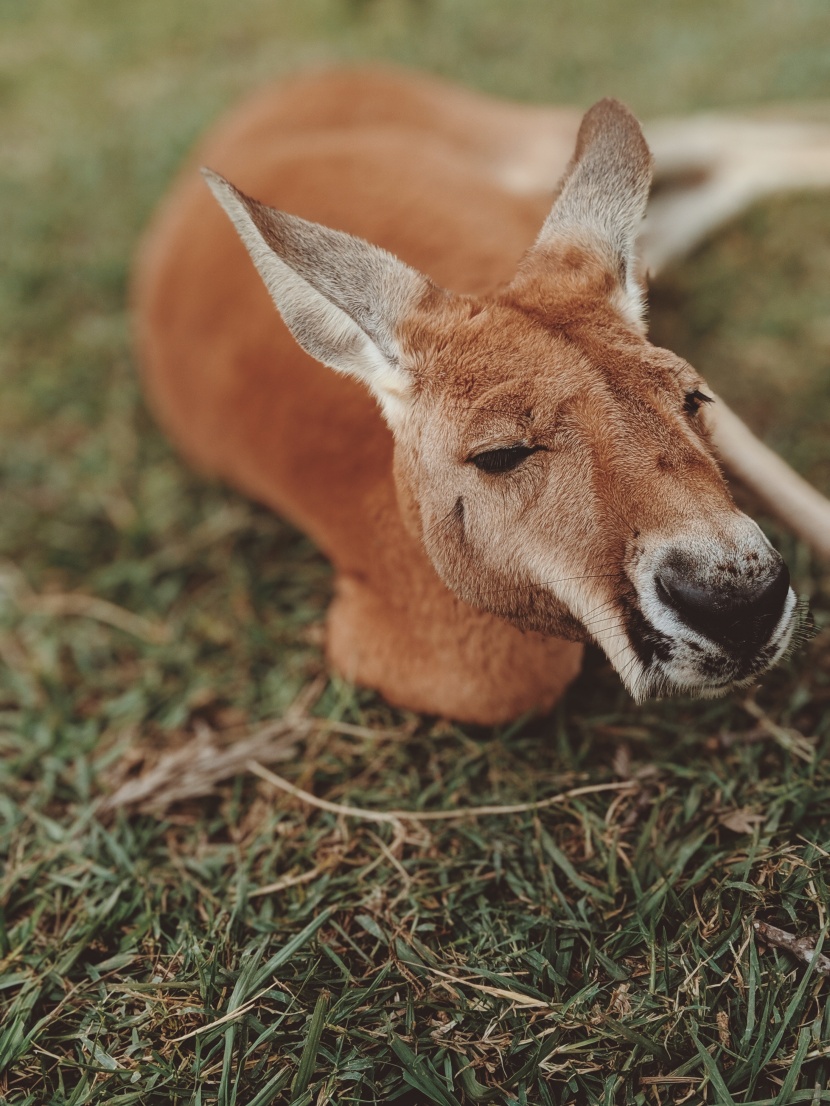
point(343, 299)
point(599, 205)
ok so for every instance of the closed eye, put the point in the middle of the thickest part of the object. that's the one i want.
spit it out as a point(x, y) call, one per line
point(504, 459)
point(694, 401)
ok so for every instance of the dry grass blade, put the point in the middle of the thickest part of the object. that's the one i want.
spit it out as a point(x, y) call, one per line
point(499, 992)
point(231, 1016)
point(794, 742)
point(75, 605)
point(195, 769)
point(78, 605)
point(397, 816)
point(290, 881)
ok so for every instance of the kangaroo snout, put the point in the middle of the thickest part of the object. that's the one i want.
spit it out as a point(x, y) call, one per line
point(718, 610)
point(737, 606)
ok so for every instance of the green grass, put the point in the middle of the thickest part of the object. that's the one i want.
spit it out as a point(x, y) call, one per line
point(597, 951)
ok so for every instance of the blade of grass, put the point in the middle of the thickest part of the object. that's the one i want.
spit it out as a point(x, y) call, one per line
point(420, 1074)
point(308, 1059)
point(712, 1070)
point(788, 1086)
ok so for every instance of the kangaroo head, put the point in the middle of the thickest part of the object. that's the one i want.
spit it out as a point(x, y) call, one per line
point(554, 463)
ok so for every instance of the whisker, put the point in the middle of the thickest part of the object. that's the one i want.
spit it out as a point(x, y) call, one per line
point(606, 642)
point(607, 610)
point(609, 637)
point(601, 621)
point(606, 604)
point(547, 584)
point(626, 670)
point(621, 518)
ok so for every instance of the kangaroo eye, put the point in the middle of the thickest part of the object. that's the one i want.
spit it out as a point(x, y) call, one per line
point(694, 401)
point(503, 460)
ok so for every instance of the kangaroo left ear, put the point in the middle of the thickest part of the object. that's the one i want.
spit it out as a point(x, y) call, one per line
point(601, 200)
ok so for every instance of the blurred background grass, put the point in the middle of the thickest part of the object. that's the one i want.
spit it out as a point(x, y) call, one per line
point(632, 922)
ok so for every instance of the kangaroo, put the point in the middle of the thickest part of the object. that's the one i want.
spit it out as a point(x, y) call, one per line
point(501, 466)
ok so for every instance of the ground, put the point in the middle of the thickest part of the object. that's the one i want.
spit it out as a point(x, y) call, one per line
point(244, 946)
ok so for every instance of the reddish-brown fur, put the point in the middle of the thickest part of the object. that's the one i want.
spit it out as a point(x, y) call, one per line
point(209, 338)
point(366, 153)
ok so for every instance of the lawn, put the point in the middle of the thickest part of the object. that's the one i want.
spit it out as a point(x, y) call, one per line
point(177, 928)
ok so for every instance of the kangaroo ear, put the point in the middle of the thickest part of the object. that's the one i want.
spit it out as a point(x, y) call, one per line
point(602, 198)
point(342, 298)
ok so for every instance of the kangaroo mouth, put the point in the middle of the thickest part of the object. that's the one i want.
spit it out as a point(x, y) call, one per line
point(684, 662)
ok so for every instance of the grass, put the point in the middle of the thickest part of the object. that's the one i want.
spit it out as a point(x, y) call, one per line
point(599, 950)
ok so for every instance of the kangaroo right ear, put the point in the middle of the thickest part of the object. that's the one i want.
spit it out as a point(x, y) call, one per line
point(602, 198)
point(342, 298)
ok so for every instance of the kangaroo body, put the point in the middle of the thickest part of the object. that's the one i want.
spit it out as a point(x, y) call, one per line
point(234, 391)
point(456, 187)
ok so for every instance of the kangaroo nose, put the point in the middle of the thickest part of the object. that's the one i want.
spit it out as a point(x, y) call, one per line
point(743, 613)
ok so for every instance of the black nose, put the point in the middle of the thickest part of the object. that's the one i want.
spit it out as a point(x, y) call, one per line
point(739, 612)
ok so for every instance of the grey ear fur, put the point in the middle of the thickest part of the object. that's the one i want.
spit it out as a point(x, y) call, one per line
point(342, 298)
point(602, 197)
